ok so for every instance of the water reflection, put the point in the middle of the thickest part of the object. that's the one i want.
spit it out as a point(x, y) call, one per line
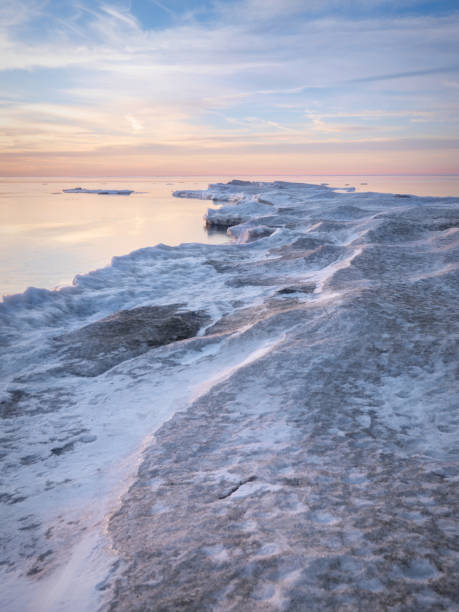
point(47, 236)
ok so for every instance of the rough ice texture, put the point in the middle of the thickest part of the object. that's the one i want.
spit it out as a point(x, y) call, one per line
point(310, 457)
point(97, 347)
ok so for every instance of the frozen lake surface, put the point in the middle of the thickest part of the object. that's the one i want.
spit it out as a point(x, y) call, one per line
point(264, 424)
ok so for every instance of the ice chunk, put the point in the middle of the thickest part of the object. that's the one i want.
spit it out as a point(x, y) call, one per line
point(124, 192)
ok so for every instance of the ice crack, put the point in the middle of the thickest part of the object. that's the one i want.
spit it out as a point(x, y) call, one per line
point(236, 487)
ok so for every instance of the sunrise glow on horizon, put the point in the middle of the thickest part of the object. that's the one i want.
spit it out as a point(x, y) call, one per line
point(176, 87)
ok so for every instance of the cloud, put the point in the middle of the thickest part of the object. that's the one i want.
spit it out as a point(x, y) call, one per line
point(163, 7)
point(332, 128)
point(135, 124)
point(247, 73)
point(205, 147)
point(16, 12)
point(269, 10)
point(124, 16)
point(408, 74)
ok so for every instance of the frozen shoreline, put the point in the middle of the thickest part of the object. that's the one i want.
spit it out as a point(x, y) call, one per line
point(317, 426)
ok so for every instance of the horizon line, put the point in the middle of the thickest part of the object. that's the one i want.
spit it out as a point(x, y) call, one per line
point(137, 176)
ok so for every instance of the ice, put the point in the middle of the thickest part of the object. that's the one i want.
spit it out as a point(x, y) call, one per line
point(124, 192)
point(250, 425)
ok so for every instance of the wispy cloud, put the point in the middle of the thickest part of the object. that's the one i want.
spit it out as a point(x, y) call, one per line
point(135, 124)
point(319, 125)
point(408, 74)
point(163, 7)
point(124, 16)
point(250, 74)
point(16, 12)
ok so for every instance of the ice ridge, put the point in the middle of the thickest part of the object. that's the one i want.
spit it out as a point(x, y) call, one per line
point(303, 407)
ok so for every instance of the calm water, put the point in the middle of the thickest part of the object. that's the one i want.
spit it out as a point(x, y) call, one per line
point(46, 236)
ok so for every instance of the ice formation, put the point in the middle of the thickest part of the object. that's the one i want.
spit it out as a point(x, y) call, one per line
point(301, 387)
point(99, 191)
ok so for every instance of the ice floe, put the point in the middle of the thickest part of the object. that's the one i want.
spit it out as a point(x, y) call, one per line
point(124, 192)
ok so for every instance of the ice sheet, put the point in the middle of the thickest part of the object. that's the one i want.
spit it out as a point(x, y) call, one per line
point(304, 438)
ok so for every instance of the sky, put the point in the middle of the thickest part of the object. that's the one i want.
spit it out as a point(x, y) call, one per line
point(199, 87)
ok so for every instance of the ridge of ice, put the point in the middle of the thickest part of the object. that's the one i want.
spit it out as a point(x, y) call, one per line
point(321, 385)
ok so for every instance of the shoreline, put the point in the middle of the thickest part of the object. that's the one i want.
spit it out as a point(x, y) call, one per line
point(65, 243)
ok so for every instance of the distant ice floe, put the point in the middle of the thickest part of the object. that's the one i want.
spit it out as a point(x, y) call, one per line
point(300, 383)
point(124, 192)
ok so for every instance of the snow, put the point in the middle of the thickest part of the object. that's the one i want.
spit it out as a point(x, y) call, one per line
point(300, 447)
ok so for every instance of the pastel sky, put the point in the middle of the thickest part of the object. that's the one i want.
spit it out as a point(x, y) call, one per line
point(172, 87)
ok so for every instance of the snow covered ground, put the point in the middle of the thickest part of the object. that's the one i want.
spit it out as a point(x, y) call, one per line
point(272, 426)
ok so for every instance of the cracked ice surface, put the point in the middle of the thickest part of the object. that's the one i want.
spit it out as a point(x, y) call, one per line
point(304, 453)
